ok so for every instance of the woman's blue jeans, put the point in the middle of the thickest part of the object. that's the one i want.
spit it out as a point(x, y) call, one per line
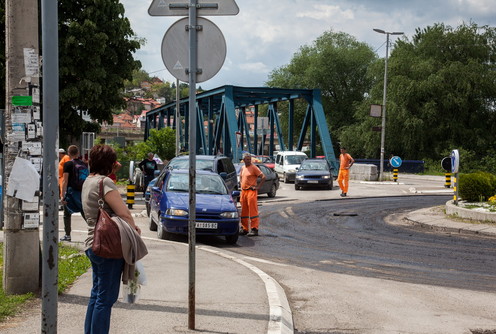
point(105, 291)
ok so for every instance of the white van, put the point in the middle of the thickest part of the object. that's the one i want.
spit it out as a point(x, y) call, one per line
point(286, 164)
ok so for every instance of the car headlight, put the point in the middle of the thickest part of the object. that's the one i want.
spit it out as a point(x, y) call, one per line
point(292, 171)
point(326, 176)
point(176, 212)
point(231, 214)
point(299, 176)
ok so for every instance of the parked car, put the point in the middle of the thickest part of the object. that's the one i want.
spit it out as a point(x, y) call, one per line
point(314, 173)
point(265, 159)
point(287, 162)
point(148, 192)
point(216, 211)
point(216, 163)
point(271, 184)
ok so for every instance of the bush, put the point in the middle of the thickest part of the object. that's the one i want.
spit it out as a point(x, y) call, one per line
point(477, 187)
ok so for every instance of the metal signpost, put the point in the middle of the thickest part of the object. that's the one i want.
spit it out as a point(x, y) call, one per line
point(176, 52)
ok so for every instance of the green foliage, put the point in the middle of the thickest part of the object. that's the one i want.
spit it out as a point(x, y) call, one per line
point(477, 187)
point(162, 142)
point(96, 56)
point(441, 95)
point(336, 63)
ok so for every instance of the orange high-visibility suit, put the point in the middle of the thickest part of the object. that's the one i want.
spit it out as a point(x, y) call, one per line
point(249, 194)
point(345, 162)
point(61, 170)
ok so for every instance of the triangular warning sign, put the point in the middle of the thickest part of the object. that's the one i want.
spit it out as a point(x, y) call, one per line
point(162, 3)
point(178, 66)
point(181, 8)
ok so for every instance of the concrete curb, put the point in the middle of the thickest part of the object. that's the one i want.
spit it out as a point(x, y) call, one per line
point(281, 317)
point(440, 222)
point(452, 209)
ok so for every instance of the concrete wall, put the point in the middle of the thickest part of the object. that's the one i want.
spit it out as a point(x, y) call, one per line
point(460, 211)
point(364, 172)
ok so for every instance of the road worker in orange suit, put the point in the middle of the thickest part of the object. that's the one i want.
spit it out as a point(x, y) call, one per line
point(249, 192)
point(345, 163)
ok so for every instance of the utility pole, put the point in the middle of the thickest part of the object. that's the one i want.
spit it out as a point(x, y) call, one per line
point(21, 240)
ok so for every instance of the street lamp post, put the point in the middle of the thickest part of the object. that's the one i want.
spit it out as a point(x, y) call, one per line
point(383, 127)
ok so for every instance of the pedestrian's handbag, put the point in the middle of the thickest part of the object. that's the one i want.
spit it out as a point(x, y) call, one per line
point(106, 236)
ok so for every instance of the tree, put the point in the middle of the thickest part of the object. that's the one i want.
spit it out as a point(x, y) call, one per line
point(96, 56)
point(441, 94)
point(162, 142)
point(336, 63)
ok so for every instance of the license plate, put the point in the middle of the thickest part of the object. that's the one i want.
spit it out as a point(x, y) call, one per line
point(206, 225)
point(313, 181)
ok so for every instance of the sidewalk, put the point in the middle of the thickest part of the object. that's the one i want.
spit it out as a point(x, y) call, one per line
point(232, 296)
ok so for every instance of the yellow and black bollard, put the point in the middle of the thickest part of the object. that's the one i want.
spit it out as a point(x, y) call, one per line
point(447, 183)
point(395, 175)
point(130, 195)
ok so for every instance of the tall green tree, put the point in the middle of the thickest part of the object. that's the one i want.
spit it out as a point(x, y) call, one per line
point(96, 45)
point(336, 63)
point(441, 94)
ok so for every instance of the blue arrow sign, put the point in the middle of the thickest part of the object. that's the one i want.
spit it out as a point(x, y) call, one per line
point(395, 161)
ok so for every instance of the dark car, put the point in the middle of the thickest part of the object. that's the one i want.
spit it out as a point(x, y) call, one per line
point(271, 183)
point(216, 211)
point(314, 173)
point(216, 163)
point(148, 191)
point(265, 159)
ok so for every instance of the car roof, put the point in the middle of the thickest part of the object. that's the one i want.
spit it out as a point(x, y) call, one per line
point(201, 156)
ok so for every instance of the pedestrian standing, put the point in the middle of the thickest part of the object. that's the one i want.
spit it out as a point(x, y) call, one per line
point(249, 195)
point(106, 272)
point(75, 172)
point(345, 163)
point(148, 166)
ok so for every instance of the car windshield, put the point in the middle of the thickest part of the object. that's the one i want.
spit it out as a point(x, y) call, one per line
point(295, 159)
point(313, 165)
point(206, 164)
point(205, 184)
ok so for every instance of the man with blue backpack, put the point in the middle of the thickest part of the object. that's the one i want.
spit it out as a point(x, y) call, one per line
point(75, 172)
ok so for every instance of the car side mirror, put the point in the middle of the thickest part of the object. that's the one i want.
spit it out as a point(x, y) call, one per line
point(156, 189)
point(223, 175)
point(236, 193)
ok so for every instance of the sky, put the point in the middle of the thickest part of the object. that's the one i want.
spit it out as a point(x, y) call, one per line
point(267, 33)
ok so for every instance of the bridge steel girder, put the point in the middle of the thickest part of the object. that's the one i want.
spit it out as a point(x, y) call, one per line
point(223, 109)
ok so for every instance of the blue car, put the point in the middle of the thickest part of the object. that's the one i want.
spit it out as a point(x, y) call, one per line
point(216, 211)
point(314, 173)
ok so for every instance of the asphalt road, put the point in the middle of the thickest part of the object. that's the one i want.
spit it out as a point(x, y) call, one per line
point(351, 237)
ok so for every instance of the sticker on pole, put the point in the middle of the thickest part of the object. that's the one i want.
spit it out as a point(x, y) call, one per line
point(455, 161)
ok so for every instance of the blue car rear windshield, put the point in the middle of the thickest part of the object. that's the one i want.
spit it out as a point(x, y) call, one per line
point(205, 184)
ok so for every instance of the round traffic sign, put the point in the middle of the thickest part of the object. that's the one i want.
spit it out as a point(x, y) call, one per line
point(395, 162)
point(446, 164)
point(211, 49)
point(455, 161)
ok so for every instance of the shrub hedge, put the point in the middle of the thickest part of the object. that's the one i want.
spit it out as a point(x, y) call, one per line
point(477, 187)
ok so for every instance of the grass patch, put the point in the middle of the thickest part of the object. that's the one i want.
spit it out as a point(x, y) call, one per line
point(72, 264)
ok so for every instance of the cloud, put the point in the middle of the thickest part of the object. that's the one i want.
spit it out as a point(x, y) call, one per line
point(266, 33)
